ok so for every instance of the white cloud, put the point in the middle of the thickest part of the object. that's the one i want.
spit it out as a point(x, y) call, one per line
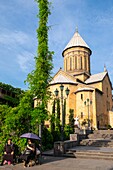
point(26, 61)
point(14, 37)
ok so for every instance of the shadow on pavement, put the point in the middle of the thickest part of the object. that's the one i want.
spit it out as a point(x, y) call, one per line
point(49, 159)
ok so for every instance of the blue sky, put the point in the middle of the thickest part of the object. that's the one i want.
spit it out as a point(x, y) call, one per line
point(18, 42)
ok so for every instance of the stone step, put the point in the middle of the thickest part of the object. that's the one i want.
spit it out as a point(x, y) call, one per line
point(91, 154)
point(101, 134)
point(97, 142)
point(93, 157)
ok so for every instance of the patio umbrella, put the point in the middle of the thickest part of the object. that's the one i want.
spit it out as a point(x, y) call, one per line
point(30, 136)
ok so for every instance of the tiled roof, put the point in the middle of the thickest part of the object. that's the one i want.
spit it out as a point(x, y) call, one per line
point(76, 41)
point(96, 78)
point(62, 79)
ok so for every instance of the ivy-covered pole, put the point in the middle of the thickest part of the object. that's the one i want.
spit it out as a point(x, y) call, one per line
point(39, 78)
point(53, 118)
point(58, 115)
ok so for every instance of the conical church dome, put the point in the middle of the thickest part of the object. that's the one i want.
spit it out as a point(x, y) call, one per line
point(76, 41)
point(77, 57)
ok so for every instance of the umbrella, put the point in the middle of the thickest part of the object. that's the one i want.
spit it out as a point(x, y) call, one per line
point(30, 136)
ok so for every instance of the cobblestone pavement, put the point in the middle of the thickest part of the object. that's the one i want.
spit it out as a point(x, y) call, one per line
point(60, 163)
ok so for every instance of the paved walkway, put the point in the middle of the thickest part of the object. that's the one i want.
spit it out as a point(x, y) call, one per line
point(66, 163)
point(84, 148)
point(58, 163)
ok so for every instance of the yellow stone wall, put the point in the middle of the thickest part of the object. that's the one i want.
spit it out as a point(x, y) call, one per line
point(82, 77)
point(77, 60)
point(99, 109)
point(81, 107)
point(111, 118)
point(70, 100)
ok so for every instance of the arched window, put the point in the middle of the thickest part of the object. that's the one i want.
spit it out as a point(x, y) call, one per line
point(85, 62)
point(66, 64)
point(82, 115)
point(75, 62)
point(81, 96)
point(70, 63)
point(107, 91)
point(80, 62)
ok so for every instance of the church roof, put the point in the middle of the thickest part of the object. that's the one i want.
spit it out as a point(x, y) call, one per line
point(62, 77)
point(76, 41)
point(84, 89)
point(96, 78)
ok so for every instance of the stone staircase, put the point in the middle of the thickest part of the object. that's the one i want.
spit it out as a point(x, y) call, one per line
point(97, 142)
point(98, 145)
point(100, 138)
point(91, 153)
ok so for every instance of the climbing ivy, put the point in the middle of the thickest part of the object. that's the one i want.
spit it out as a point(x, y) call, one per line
point(39, 78)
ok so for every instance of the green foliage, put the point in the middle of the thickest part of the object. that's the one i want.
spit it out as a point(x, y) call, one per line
point(56, 135)
point(10, 88)
point(58, 116)
point(16, 121)
point(64, 117)
point(52, 121)
point(24, 118)
point(71, 119)
point(39, 115)
point(11, 95)
point(39, 78)
point(47, 139)
point(4, 110)
point(11, 101)
point(67, 131)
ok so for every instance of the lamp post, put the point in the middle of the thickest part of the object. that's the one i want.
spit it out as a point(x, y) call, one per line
point(88, 102)
point(62, 106)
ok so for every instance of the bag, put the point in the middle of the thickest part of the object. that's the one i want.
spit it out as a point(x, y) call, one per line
point(37, 151)
point(27, 152)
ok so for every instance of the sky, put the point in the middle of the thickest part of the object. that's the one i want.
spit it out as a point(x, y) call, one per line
point(18, 38)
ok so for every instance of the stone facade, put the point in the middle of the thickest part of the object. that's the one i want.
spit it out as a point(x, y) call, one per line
point(90, 96)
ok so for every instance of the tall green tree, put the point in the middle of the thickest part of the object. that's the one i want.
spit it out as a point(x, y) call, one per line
point(39, 78)
point(64, 117)
point(17, 120)
point(71, 119)
point(58, 115)
point(53, 118)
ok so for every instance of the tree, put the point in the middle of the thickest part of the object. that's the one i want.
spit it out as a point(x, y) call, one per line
point(39, 78)
point(58, 115)
point(16, 121)
point(24, 118)
point(53, 118)
point(64, 117)
point(10, 95)
point(71, 119)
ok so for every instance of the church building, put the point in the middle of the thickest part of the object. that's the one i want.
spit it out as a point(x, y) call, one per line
point(90, 96)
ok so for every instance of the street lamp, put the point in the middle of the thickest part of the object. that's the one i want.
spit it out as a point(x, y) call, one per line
point(62, 106)
point(88, 102)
